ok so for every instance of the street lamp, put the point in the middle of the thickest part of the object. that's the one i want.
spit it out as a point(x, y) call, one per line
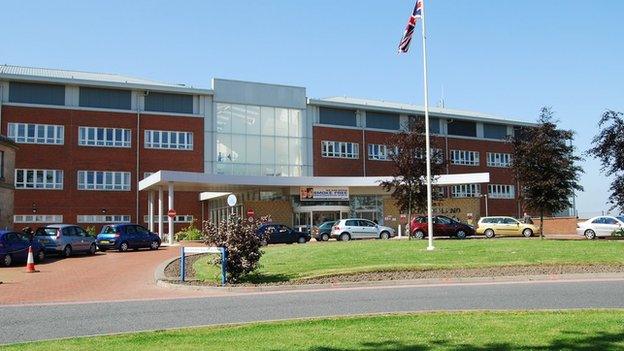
point(486, 203)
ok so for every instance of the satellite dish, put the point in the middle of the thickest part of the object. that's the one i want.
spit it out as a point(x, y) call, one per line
point(231, 200)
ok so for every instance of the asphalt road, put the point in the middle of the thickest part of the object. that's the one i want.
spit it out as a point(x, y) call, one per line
point(34, 322)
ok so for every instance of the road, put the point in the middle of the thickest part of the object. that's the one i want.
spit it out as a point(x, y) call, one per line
point(35, 322)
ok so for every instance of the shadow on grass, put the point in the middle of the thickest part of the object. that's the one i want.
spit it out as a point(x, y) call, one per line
point(572, 341)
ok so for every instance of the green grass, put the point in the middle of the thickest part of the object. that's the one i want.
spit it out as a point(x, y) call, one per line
point(509, 331)
point(294, 262)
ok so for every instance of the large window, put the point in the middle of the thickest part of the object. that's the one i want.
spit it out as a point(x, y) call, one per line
point(106, 137)
point(499, 191)
point(45, 179)
point(379, 152)
point(466, 158)
point(337, 117)
point(494, 131)
point(162, 102)
point(35, 93)
point(104, 180)
point(161, 139)
point(495, 159)
point(462, 128)
point(379, 120)
point(466, 190)
point(340, 149)
point(103, 218)
point(30, 133)
point(105, 98)
point(38, 219)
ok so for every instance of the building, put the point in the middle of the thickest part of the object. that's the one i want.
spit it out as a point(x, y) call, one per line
point(7, 190)
point(87, 139)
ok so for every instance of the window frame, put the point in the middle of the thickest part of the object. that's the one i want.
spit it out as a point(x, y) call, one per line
point(340, 149)
point(58, 178)
point(465, 158)
point(501, 191)
point(89, 180)
point(466, 190)
point(150, 136)
point(496, 159)
point(57, 131)
point(84, 138)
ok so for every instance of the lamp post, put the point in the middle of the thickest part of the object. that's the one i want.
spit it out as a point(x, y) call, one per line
point(486, 203)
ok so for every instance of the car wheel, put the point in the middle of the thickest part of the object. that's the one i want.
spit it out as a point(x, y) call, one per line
point(325, 237)
point(590, 234)
point(301, 240)
point(7, 260)
point(123, 247)
point(527, 233)
point(40, 257)
point(344, 237)
point(489, 233)
point(419, 234)
point(67, 251)
point(154, 245)
point(92, 249)
point(384, 236)
point(461, 234)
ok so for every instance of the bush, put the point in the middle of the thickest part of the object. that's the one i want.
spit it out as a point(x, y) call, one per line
point(189, 233)
point(242, 243)
point(91, 230)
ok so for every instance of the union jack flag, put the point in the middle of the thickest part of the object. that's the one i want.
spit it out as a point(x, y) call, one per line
point(409, 29)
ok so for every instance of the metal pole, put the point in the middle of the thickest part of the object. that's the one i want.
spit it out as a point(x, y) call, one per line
point(486, 205)
point(169, 218)
point(427, 148)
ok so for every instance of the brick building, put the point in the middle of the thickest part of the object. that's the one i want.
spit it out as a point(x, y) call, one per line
point(7, 190)
point(87, 139)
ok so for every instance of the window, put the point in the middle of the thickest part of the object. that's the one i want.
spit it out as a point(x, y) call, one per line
point(176, 219)
point(104, 180)
point(340, 149)
point(1, 165)
point(495, 159)
point(466, 158)
point(160, 139)
point(47, 179)
point(494, 131)
point(379, 152)
point(34, 93)
point(103, 218)
point(337, 117)
point(466, 190)
point(380, 120)
point(498, 191)
point(106, 137)
point(105, 98)
point(176, 103)
point(28, 133)
point(38, 219)
point(462, 128)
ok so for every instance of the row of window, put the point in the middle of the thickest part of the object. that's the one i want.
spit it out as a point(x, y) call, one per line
point(95, 219)
point(495, 191)
point(29, 133)
point(52, 179)
point(340, 149)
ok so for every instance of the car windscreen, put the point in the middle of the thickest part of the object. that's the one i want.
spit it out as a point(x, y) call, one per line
point(620, 218)
point(46, 232)
point(327, 225)
point(108, 229)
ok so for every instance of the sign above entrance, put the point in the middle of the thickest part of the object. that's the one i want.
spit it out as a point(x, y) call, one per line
point(324, 193)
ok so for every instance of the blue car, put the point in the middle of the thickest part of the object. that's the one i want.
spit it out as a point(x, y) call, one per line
point(14, 248)
point(126, 236)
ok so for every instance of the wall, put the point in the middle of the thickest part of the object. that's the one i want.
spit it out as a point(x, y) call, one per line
point(6, 184)
point(281, 211)
point(558, 225)
point(466, 210)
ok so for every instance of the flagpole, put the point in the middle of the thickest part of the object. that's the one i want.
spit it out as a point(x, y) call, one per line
point(427, 147)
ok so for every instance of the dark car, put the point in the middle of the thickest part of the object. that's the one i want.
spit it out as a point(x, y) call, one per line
point(442, 226)
point(14, 248)
point(323, 231)
point(282, 234)
point(126, 236)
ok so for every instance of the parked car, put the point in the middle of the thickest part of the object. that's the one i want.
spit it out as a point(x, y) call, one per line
point(600, 226)
point(442, 226)
point(282, 234)
point(65, 239)
point(14, 248)
point(506, 226)
point(323, 231)
point(126, 236)
point(358, 228)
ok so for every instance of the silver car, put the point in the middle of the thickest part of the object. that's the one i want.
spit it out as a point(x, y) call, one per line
point(358, 228)
point(65, 239)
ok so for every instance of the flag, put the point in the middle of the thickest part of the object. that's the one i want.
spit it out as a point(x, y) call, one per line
point(409, 29)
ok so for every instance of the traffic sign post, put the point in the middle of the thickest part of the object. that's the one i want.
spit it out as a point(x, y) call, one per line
point(171, 213)
point(251, 213)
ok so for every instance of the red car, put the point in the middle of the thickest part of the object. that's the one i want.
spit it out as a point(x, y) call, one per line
point(442, 226)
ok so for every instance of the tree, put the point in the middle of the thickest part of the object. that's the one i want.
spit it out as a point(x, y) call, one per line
point(409, 184)
point(608, 147)
point(545, 166)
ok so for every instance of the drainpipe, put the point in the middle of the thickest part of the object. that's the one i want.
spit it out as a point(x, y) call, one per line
point(138, 153)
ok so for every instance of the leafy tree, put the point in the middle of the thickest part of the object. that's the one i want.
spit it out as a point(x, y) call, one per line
point(409, 182)
point(545, 166)
point(608, 147)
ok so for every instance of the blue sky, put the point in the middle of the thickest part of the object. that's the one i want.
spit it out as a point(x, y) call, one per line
point(499, 57)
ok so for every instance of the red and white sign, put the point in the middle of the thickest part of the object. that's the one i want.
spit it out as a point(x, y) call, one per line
point(172, 213)
point(251, 212)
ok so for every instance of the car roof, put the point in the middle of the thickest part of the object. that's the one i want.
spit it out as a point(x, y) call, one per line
point(59, 225)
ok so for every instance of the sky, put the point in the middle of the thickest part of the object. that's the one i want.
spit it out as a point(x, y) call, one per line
point(505, 58)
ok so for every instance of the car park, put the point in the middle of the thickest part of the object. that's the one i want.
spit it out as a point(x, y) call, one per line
point(281, 234)
point(442, 226)
point(14, 248)
point(359, 228)
point(65, 239)
point(504, 226)
point(323, 231)
point(126, 236)
point(600, 226)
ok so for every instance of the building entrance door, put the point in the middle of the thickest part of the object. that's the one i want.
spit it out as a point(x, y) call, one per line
point(305, 217)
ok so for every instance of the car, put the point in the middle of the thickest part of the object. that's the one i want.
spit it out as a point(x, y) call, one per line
point(281, 234)
point(442, 226)
point(65, 239)
point(14, 248)
point(492, 226)
point(600, 226)
point(359, 228)
point(126, 236)
point(323, 231)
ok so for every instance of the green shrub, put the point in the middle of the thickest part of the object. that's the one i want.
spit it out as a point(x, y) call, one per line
point(189, 233)
point(91, 230)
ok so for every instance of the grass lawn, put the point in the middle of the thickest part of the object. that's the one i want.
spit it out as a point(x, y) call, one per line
point(565, 330)
point(293, 262)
